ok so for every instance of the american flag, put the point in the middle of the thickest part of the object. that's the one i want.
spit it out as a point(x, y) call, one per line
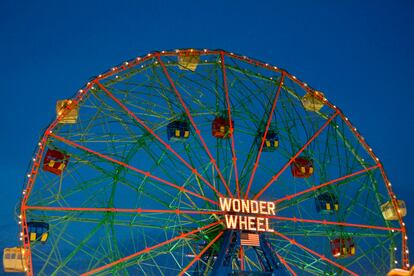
point(250, 239)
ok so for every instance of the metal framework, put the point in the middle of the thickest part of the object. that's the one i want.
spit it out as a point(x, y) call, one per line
point(130, 201)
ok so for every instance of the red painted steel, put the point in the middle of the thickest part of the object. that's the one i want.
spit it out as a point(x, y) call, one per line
point(269, 120)
point(283, 261)
point(314, 188)
point(147, 174)
point(149, 249)
point(166, 145)
point(193, 123)
point(292, 241)
point(122, 210)
point(325, 222)
point(276, 176)
point(79, 97)
point(198, 256)
point(231, 122)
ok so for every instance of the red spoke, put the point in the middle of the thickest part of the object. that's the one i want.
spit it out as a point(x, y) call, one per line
point(294, 242)
point(276, 176)
point(289, 197)
point(122, 210)
point(149, 249)
point(147, 174)
point(325, 222)
point(170, 80)
point(285, 264)
point(231, 130)
point(26, 244)
point(166, 145)
point(256, 163)
point(196, 258)
point(241, 258)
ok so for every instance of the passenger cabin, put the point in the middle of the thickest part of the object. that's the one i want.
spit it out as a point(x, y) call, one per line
point(221, 127)
point(13, 260)
point(343, 247)
point(178, 130)
point(302, 167)
point(271, 141)
point(313, 101)
point(389, 212)
point(55, 161)
point(188, 60)
point(327, 203)
point(70, 116)
point(38, 231)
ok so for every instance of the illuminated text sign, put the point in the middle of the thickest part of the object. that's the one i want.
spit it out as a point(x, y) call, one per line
point(242, 214)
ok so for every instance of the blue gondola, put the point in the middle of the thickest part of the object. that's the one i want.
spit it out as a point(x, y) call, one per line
point(178, 130)
point(271, 141)
point(327, 203)
point(38, 231)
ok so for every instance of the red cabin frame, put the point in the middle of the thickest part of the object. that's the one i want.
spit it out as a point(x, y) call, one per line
point(221, 128)
point(302, 167)
point(55, 161)
point(342, 247)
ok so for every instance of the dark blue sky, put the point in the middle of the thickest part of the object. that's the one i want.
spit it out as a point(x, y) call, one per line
point(360, 54)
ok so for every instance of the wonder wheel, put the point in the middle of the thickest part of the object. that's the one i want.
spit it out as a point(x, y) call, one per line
point(204, 162)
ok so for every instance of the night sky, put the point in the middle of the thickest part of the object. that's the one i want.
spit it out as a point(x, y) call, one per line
point(359, 54)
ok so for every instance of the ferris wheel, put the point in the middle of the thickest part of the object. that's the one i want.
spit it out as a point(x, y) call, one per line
point(205, 162)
